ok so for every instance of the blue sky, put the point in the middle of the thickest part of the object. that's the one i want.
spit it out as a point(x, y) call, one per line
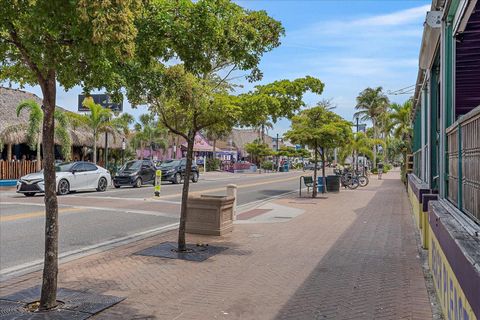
point(349, 45)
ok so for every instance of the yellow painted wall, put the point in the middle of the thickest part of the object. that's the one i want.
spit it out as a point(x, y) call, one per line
point(452, 299)
point(425, 230)
point(415, 207)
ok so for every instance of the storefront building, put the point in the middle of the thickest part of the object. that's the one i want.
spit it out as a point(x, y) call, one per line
point(444, 187)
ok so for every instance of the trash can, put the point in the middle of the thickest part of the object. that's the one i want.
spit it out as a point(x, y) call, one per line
point(333, 183)
point(285, 167)
point(320, 185)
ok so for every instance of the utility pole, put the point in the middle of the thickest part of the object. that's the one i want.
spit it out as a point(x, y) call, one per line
point(123, 151)
point(356, 152)
point(278, 169)
point(106, 150)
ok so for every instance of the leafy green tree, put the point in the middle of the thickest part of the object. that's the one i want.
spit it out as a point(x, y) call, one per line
point(211, 39)
point(279, 99)
point(71, 43)
point(258, 150)
point(320, 129)
point(150, 132)
point(372, 103)
point(215, 133)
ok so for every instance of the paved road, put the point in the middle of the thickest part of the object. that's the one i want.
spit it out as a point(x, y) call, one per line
point(90, 219)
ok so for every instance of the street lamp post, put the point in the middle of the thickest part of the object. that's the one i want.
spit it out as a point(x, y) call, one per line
point(123, 150)
point(356, 152)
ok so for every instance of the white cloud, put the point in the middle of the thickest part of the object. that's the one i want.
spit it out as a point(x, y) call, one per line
point(396, 18)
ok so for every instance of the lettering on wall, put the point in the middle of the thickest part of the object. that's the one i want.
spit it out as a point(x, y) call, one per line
point(449, 292)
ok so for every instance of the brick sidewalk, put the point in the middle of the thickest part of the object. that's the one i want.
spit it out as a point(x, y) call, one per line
point(352, 255)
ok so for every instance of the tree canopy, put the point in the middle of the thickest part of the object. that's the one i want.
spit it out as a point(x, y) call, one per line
point(319, 128)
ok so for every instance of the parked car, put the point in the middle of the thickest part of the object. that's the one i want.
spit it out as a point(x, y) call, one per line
point(70, 176)
point(311, 166)
point(135, 173)
point(174, 171)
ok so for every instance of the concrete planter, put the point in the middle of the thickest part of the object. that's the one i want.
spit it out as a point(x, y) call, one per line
point(210, 215)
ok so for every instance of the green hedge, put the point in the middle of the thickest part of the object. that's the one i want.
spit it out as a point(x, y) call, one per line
point(213, 164)
point(267, 165)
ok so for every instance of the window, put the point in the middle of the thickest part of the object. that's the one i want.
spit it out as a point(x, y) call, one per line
point(89, 167)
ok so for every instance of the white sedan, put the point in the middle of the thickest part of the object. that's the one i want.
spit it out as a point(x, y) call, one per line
point(70, 176)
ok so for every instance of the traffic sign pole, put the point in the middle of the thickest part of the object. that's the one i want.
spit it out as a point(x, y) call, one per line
point(158, 183)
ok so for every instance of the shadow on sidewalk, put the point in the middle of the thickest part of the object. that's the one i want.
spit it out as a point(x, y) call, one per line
point(372, 271)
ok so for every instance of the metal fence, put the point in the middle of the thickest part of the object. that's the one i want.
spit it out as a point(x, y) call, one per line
point(464, 164)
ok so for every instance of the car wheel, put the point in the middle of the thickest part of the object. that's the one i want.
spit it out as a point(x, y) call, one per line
point(177, 178)
point(29, 194)
point(138, 183)
point(63, 187)
point(195, 177)
point(102, 184)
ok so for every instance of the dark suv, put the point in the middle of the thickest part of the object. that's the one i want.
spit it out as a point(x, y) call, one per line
point(135, 173)
point(174, 171)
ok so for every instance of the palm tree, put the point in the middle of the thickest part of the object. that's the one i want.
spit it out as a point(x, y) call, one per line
point(371, 104)
point(98, 120)
point(34, 129)
point(402, 125)
point(150, 132)
point(360, 144)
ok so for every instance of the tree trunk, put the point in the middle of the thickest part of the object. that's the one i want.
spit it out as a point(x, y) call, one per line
point(314, 192)
point(182, 246)
point(263, 133)
point(374, 165)
point(94, 146)
point(214, 149)
point(48, 297)
point(9, 152)
point(324, 179)
point(38, 164)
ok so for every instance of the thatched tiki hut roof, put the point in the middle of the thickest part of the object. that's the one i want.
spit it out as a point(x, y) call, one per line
point(11, 98)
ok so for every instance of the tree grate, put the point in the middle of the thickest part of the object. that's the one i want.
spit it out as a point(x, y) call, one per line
point(77, 305)
point(194, 252)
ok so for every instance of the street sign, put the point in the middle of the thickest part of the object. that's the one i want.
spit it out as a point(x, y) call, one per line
point(158, 183)
point(101, 99)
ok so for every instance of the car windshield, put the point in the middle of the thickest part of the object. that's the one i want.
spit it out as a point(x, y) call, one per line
point(170, 164)
point(132, 166)
point(64, 167)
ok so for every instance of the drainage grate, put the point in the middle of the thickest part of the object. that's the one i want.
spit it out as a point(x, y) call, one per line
point(77, 305)
point(194, 253)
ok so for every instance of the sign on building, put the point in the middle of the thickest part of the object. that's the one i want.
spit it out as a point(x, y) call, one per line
point(101, 99)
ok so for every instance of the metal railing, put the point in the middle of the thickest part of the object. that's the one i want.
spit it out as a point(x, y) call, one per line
point(463, 178)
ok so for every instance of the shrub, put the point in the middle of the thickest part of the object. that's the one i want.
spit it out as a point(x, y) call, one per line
point(213, 164)
point(267, 165)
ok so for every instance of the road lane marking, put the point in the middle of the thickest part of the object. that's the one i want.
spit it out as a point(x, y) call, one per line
point(34, 214)
point(63, 257)
point(223, 188)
